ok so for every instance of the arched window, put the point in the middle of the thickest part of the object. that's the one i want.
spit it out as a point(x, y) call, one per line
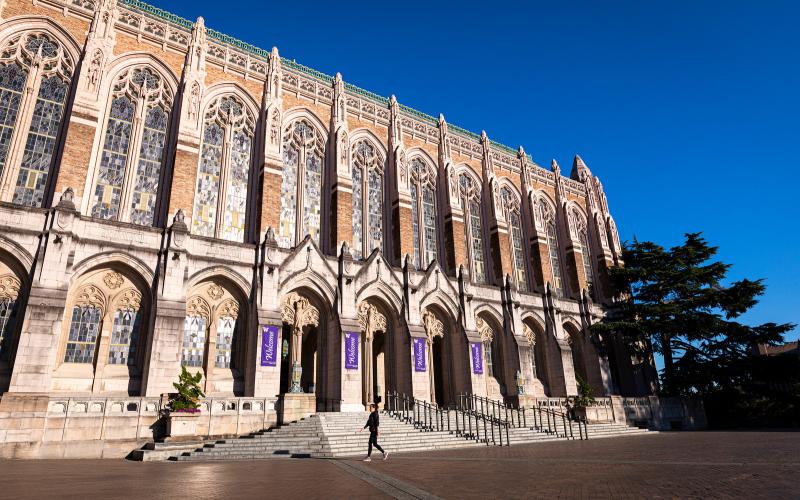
point(211, 331)
point(548, 218)
point(470, 193)
point(35, 75)
point(512, 211)
point(224, 170)
point(423, 213)
point(132, 154)
point(9, 298)
point(301, 188)
point(367, 171)
point(579, 223)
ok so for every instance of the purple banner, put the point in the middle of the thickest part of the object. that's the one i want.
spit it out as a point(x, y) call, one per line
point(351, 350)
point(269, 345)
point(419, 354)
point(477, 357)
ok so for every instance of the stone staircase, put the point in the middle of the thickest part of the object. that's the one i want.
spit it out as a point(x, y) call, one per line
point(325, 435)
point(322, 435)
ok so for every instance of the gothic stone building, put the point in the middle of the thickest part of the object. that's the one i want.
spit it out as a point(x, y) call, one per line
point(171, 196)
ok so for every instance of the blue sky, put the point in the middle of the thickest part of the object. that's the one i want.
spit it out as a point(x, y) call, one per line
point(687, 111)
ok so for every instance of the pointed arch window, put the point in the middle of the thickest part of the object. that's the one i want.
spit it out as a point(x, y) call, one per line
point(210, 333)
point(35, 75)
point(512, 211)
point(132, 151)
point(470, 194)
point(368, 164)
point(224, 171)
point(548, 219)
point(579, 223)
point(301, 188)
point(423, 213)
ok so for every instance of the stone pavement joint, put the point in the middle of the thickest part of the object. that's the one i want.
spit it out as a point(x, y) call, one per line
point(387, 484)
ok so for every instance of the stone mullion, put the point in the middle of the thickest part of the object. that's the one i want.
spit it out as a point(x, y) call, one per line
point(20, 134)
point(103, 345)
point(224, 180)
point(211, 349)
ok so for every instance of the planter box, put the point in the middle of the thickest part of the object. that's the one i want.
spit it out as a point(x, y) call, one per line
point(182, 426)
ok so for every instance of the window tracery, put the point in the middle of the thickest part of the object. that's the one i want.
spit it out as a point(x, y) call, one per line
point(579, 223)
point(224, 170)
point(367, 170)
point(470, 194)
point(548, 217)
point(211, 328)
point(301, 188)
point(423, 213)
point(35, 75)
point(511, 208)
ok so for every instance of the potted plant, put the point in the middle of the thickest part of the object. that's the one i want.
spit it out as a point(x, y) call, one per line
point(577, 405)
point(183, 406)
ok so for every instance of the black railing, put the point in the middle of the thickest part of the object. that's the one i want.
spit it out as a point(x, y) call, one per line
point(427, 416)
point(539, 418)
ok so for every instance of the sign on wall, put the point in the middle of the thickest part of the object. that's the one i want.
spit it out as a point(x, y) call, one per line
point(351, 350)
point(419, 354)
point(477, 357)
point(269, 345)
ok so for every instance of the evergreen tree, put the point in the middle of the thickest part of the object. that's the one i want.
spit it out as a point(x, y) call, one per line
point(676, 302)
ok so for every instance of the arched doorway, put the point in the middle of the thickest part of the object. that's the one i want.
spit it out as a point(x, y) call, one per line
point(449, 373)
point(538, 363)
point(493, 358)
point(380, 345)
point(12, 302)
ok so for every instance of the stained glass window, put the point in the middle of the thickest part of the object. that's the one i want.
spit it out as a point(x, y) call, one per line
point(225, 332)
point(205, 200)
point(470, 201)
point(194, 341)
point(84, 330)
point(236, 202)
point(301, 188)
point(518, 252)
point(229, 125)
point(288, 198)
point(312, 196)
point(552, 246)
point(487, 352)
point(124, 333)
point(375, 210)
point(108, 189)
point(12, 81)
point(423, 197)
point(151, 157)
point(358, 212)
point(41, 142)
point(587, 261)
point(6, 324)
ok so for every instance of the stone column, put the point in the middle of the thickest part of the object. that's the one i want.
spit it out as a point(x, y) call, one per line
point(297, 312)
point(272, 167)
point(370, 320)
point(341, 215)
point(455, 243)
point(433, 328)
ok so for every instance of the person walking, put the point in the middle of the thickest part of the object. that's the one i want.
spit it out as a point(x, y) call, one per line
point(372, 425)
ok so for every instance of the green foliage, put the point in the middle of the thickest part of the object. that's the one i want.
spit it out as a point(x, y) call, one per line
point(189, 391)
point(678, 302)
point(585, 397)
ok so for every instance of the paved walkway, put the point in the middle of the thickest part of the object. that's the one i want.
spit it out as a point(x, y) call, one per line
point(668, 465)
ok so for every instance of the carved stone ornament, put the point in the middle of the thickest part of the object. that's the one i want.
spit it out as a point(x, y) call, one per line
point(228, 309)
point(9, 287)
point(275, 127)
point(529, 334)
point(215, 291)
point(298, 312)
point(433, 327)
point(113, 280)
point(129, 299)
point(370, 320)
point(90, 295)
point(485, 331)
point(197, 306)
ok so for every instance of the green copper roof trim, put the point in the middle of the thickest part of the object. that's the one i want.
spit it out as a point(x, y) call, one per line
point(366, 93)
point(252, 49)
point(511, 150)
point(163, 14)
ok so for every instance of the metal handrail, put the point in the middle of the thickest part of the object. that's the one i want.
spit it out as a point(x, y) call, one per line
point(429, 417)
